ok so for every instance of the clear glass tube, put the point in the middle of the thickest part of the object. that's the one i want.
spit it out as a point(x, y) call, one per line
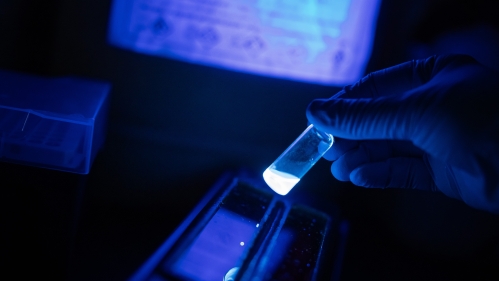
point(297, 159)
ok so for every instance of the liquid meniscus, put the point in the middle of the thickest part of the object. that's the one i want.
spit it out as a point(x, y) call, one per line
point(280, 182)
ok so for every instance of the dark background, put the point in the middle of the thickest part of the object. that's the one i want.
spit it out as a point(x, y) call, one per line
point(175, 127)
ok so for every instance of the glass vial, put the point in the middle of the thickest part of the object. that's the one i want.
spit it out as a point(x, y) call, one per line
point(297, 159)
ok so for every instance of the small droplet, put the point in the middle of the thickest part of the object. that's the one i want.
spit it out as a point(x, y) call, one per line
point(242, 243)
point(257, 225)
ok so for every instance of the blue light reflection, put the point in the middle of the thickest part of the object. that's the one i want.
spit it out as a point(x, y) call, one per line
point(218, 248)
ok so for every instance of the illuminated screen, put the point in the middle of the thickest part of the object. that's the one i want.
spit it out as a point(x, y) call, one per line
point(317, 41)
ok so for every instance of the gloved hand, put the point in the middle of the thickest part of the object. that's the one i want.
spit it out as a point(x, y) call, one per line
point(426, 124)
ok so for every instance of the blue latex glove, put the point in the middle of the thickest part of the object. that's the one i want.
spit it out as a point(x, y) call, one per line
point(428, 124)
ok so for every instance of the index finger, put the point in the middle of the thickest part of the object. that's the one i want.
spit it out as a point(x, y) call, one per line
point(390, 81)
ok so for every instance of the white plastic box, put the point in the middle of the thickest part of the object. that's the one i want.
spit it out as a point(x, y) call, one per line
point(55, 123)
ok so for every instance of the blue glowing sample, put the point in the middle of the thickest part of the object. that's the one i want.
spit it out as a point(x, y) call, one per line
point(297, 159)
point(317, 41)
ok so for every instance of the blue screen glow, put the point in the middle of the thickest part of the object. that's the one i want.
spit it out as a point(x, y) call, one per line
point(218, 249)
point(317, 41)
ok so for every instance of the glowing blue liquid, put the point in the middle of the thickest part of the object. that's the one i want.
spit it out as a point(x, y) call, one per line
point(297, 159)
point(231, 274)
point(280, 182)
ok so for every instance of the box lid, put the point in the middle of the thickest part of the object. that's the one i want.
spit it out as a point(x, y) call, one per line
point(67, 97)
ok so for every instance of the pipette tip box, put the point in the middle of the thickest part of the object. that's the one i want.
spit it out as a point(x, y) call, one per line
point(55, 123)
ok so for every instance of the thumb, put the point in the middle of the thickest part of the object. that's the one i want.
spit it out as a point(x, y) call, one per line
point(394, 173)
point(357, 119)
